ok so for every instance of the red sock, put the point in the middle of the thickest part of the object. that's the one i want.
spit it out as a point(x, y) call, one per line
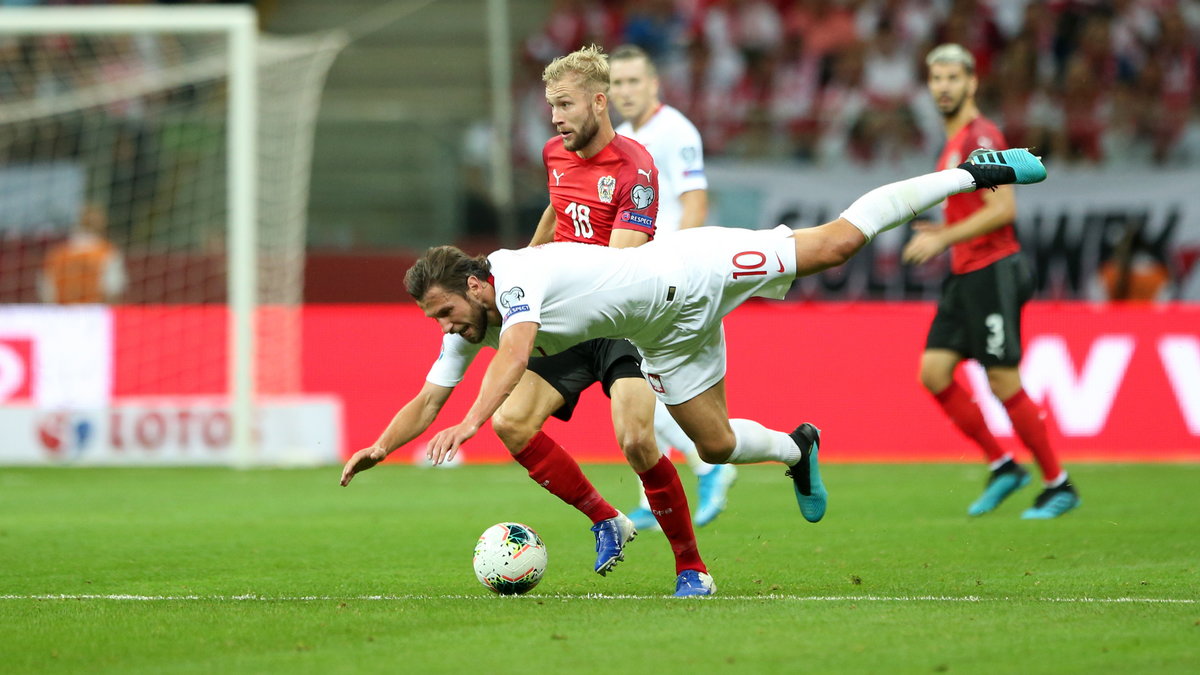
point(1027, 421)
point(967, 417)
point(670, 507)
point(551, 467)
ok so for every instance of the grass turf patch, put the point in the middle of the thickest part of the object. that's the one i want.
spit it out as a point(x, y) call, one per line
point(283, 571)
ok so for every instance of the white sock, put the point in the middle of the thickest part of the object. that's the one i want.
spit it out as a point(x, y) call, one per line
point(1000, 462)
point(1062, 478)
point(756, 443)
point(669, 435)
point(897, 203)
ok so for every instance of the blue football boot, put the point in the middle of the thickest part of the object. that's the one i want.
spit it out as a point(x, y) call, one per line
point(691, 583)
point(1053, 502)
point(1005, 480)
point(713, 493)
point(806, 475)
point(992, 168)
point(611, 537)
point(643, 519)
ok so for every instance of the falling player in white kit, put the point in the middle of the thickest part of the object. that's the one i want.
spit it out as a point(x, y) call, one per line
point(678, 152)
point(668, 298)
point(602, 189)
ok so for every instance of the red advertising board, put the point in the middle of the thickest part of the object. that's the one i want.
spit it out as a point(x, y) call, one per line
point(1117, 382)
point(17, 368)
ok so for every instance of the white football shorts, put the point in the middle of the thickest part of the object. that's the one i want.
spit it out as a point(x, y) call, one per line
point(724, 267)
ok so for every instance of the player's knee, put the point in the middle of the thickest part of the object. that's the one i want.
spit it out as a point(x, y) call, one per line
point(639, 448)
point(716, 450)
point(1004, 383)
point(515, 434)
point(933, 381)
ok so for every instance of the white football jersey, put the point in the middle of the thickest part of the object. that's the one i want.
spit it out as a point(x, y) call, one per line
point(674, 143)
point(456, 355)
point(667, 297)
point(628, 294)
point(577, 292)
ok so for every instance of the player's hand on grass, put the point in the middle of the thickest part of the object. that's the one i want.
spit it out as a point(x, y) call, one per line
point(361, 461)
point(925, 245)
point(445, 444)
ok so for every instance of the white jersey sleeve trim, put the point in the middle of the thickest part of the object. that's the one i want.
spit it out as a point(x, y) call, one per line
point(451, 364)
point(689, 155)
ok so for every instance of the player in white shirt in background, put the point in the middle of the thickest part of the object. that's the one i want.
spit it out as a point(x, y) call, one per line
point(675, 145)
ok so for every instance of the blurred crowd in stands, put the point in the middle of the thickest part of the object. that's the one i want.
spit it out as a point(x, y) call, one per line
point(1086, 82)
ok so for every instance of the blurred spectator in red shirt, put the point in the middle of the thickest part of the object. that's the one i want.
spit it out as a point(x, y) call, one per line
point(970, 24)
point(1083, 108)
point(1177, 55)
point(825, 26)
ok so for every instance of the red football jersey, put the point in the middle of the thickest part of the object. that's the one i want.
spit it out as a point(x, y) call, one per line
point(981, 251)
point(615, 189)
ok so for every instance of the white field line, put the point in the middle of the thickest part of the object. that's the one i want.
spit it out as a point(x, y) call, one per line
point(588, 596)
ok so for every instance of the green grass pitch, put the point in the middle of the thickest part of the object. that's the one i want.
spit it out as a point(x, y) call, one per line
point(221, 571)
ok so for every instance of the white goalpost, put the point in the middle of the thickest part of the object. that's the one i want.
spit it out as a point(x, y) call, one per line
point(191, 134)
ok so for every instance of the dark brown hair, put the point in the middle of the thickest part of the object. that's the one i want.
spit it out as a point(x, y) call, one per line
point(630, 52)
point(445, 266)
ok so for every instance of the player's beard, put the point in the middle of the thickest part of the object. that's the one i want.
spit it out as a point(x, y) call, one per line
point(956, 104)
point(584, 134)
point(478, 323)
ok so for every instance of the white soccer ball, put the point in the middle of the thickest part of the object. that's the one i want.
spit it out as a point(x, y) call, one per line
point(510, 558)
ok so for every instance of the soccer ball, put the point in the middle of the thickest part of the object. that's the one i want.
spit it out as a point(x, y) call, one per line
point(510, 558)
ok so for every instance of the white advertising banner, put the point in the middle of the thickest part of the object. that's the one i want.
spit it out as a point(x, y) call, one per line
point(1069, 225)
point(56, 356)
point(158, 431)
point(59, 404)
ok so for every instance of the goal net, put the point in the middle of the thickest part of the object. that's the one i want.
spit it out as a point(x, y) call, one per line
point(154, 169)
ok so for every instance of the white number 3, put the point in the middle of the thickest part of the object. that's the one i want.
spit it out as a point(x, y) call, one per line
point(995, 339)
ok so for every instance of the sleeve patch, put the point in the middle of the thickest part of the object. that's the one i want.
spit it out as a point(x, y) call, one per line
point(639, 219)
point(507, 298)
point(643, 196)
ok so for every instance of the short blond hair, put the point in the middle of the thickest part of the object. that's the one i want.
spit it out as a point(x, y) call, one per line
point(590, 64)
point(952, 53)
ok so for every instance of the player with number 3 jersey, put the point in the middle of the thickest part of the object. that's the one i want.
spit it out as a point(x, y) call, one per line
point(979, 313)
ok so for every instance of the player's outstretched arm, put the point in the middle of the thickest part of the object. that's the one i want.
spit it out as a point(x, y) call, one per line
point(502, 376)
point(411, 421)
point(545, 228)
